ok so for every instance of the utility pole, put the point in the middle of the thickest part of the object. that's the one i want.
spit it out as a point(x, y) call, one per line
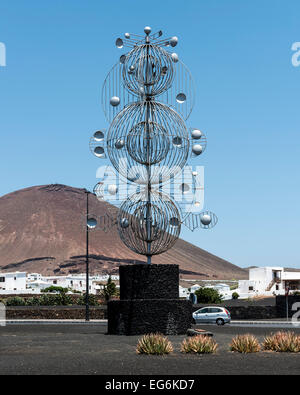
point(87, 304)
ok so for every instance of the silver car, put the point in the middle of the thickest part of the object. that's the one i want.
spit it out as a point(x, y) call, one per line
point(212, 315)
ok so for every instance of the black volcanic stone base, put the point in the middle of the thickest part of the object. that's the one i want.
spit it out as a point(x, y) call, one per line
point(141, 316)
point(149, 281)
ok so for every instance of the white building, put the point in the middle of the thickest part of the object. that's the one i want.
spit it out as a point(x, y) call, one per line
point(77, 282)
point(194, 288)
point(223, 289)
point(32, 283)
point(11, 283)
point(268, 281)
point(34, 277)
point(183, 292)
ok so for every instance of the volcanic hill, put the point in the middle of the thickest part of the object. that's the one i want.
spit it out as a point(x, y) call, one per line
point(42, 229)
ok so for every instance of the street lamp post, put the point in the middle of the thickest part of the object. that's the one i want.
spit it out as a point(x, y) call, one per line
point(87, 305)
point(90, 224)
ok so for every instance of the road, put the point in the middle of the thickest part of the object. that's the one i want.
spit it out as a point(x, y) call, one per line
point(86, 349)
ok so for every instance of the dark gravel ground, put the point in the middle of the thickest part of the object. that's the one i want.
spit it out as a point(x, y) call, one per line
point(85, 349)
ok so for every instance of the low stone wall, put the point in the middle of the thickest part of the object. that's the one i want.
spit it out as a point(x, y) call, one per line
point(281, 305)
point(54, 312)
point(247, 312)
point(100, 312)
point(75, 297)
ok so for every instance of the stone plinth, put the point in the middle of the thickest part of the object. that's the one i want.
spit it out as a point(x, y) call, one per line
point(149, 302)
point(149, 282)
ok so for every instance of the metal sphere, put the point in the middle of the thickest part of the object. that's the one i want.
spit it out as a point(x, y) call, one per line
point(124, 223)
point(122, 59)
point(147, 30)
point(127, 35)
point(196, 134)
point(91, 223)
point(184, 188)
point(119, 43)
point(112, 189)
point(206, 219)
point(156, 235)
point(197, 149)
point(181, 98)
point(168, 147)
point(174, 41)
point(114, 101)
point(150, 67)
point(99, 152)
point(177, 141)
point(174, 57)
point(99, 135)
point(119, 144)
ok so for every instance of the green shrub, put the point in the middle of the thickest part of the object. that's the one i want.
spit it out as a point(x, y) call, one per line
point(235, 295)
point(54, 288)
point(48, 300)
point(34, 301)
point(15, 301)
point(199, 345)
point(208, 296)
point(92, 300)
point(245, 344)
point(154, 344)
point(56, 300)
point(110, 289)
point(282, 342)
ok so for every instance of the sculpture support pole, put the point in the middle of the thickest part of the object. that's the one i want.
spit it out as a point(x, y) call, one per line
point(87, 306)
point(148, 213)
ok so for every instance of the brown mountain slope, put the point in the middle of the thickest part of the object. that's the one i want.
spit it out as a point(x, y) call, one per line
point(42, 230)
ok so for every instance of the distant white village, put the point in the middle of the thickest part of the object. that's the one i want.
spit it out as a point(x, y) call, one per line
point(35, 283)
point(263, 281)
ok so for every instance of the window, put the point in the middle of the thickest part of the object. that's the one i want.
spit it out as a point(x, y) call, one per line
point(15, 278)
point(277, 287)
point(202, 311)
point(2, 279)
point(251, 288)
point(215, 310)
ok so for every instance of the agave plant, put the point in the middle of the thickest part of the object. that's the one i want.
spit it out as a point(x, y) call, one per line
point(282, 342)
point(245, 344)
point(199, 345)
point(154, 344)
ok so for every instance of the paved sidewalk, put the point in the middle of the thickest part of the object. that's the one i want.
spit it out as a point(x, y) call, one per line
point(54, 322)
point(267, 323)
point(277, 323)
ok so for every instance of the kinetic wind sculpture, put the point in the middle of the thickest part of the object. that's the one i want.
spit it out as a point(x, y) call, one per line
point(146, 98)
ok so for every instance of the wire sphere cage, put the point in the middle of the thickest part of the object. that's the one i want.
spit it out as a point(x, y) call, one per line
point(148, 70)
point(149, 223)
point(115, 87)
point(146, 134)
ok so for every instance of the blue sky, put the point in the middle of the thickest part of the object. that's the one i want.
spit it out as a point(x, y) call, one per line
point(239, 52)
